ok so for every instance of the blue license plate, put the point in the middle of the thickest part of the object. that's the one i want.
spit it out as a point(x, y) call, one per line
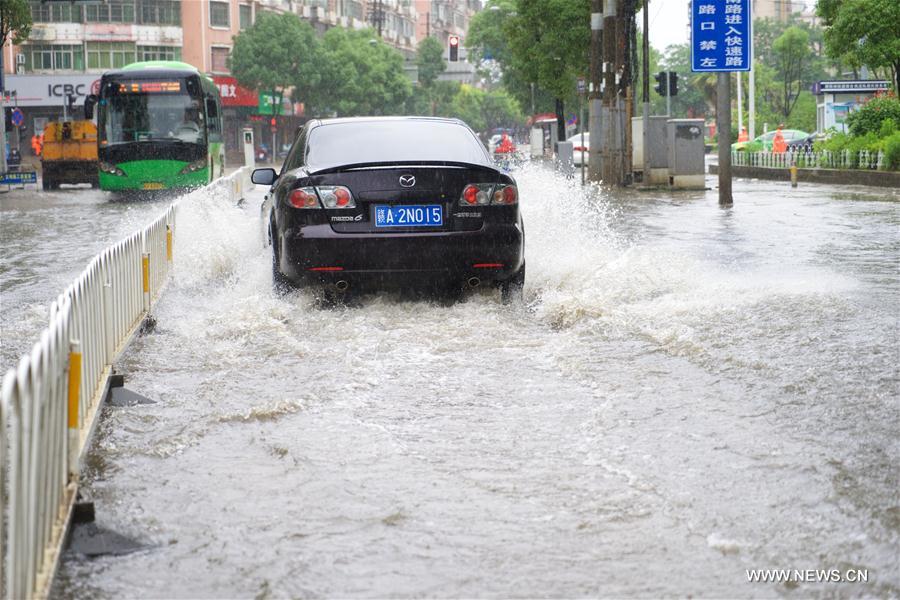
point(428, 215)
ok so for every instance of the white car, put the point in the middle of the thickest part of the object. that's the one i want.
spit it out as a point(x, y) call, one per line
point(576, 142)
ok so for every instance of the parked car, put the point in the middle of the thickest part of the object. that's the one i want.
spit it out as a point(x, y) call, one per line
point(381, 202)
point(808, 142)
point(576, 142)
point(766, 139)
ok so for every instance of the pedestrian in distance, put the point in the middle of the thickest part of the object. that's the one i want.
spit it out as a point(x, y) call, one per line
point(743, 136)
point(779, 146)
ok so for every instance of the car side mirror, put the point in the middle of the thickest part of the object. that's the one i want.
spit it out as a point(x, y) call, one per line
point(263, 176)
point(89, 103)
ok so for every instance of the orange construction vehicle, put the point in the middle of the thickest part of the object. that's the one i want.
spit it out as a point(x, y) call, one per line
point(69, 154)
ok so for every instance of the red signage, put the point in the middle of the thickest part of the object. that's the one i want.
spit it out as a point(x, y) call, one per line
point(233, 94)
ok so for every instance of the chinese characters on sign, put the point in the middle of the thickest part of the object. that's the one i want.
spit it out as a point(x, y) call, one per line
point(721, 35)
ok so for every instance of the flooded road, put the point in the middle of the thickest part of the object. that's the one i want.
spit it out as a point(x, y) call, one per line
point(688, 393)
point(46, 241)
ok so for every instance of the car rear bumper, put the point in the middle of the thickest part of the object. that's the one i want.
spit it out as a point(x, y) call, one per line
point(315, 254)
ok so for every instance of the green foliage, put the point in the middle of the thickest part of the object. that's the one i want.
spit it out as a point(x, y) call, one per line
point(278, 52)
point(481, 110)
point(755, 147)
point(546, 44)
point(892, 151)
point(430, 60)
point(361, 75)
point(863, 32)
point(342, 73)
point(15, 21)
point(488, 41)
point(790, 50)
point(871, 115)
point(803, 117)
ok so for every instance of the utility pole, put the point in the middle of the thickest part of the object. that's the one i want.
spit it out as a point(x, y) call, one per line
point(3, 166)
point(723, 130)
point(751, 103)
point(646, 94)
point(594, 101)
point(608, 139)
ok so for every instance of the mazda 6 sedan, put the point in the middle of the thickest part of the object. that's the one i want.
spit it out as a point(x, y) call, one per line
point(374, 203)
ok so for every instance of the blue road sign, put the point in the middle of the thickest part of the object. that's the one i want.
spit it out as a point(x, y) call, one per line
point(721, 35)
point(17, 117)
point(18, 178)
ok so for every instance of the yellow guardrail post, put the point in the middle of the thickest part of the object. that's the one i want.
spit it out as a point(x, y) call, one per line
point(74, 414)
point(793, 175)
point(168, 242)
point(145, 273)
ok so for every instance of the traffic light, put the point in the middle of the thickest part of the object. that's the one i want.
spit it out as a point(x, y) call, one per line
point(454, 48)
point(661, 87)
point(673, 83)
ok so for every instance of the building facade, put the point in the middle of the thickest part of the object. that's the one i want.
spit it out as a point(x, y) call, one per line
point(72, 44)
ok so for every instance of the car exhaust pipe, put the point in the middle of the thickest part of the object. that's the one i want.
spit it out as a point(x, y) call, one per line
point(473, 282)
point(341, 286)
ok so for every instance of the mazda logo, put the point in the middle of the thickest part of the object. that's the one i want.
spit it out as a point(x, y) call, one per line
point(407, 180)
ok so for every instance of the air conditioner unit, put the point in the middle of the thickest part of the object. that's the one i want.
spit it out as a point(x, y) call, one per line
point(20, 59)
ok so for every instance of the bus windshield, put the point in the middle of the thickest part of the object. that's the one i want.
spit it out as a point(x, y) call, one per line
point(150, 111)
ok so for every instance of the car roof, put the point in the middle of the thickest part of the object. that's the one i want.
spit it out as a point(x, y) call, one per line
point(338, 120)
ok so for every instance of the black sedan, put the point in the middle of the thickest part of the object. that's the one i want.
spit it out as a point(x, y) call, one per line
point(383, 202)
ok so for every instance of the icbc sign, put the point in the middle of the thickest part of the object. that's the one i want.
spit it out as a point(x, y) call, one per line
point(233, 94)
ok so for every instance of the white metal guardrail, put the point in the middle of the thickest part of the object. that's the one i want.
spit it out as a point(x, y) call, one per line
point(49, 403)
point(811, 160)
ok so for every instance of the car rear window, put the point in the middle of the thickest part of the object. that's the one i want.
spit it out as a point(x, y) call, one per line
point(355, 142)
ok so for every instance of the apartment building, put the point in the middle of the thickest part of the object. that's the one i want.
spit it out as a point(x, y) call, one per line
point(775, 9)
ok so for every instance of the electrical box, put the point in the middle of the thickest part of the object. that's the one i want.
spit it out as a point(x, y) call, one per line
point(565, 154)
point(686, 153)
point(537, 142)
point(249, 155)
point(659, 150)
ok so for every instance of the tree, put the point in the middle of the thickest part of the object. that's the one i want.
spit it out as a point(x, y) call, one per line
point(549, 42)
point(864, 32)
point(791, 49)
point(430, 60)
point(279, 52)
point(361, 75)
point(15, 21)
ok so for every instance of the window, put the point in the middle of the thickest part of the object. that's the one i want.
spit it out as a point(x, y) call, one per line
point(44, 57)
point(55, 12)
point(114, 11)
point(109, 55)
point(159, 53)
point(218, 14)
point(160, 12)
point(219, 62)
point(246, 15)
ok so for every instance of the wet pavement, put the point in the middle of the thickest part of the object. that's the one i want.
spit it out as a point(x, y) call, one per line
point(687, 393)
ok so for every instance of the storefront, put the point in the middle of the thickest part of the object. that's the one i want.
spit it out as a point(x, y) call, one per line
point(238, 103)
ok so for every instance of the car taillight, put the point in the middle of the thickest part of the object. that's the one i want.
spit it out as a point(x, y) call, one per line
point(336, 196)
point(332, 196)
point(304, 198)
point(476, 194)
point(506, 194)
point(580, 149)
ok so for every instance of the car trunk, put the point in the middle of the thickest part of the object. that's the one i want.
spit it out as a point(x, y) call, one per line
point(383, 203)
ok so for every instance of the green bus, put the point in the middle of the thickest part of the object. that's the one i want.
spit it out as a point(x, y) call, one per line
point(159, 126)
